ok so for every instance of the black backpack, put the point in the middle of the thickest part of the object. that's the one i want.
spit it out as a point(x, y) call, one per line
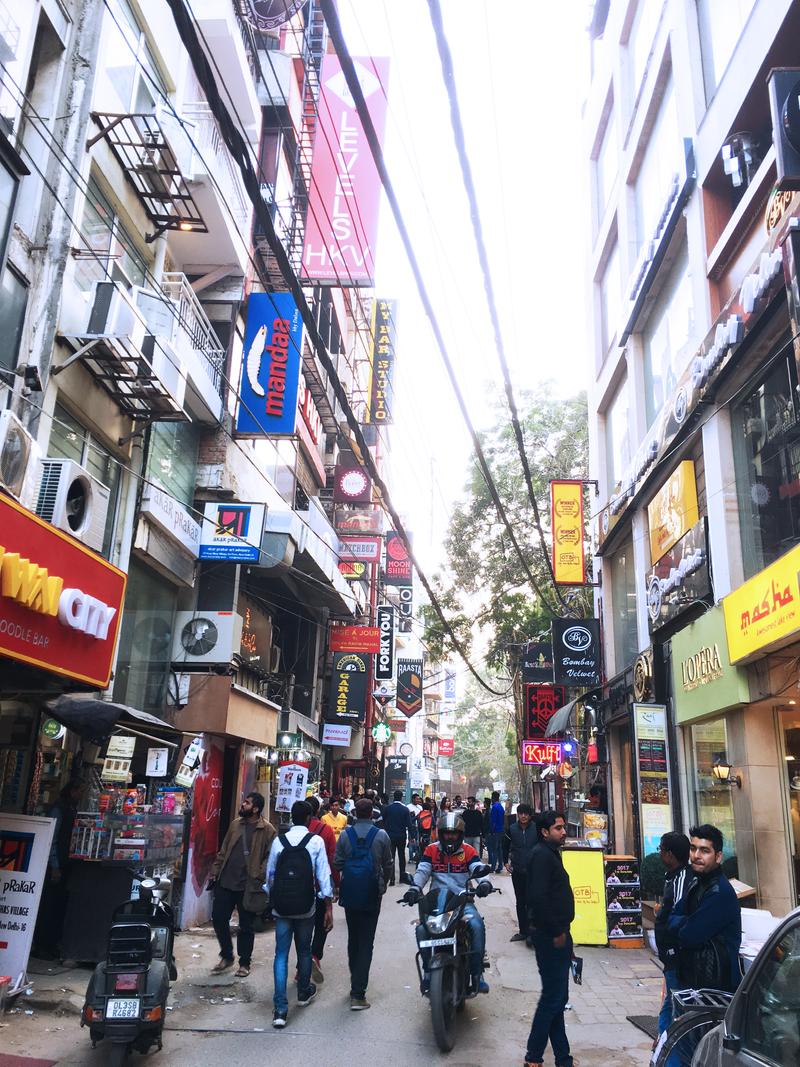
point(293, 892)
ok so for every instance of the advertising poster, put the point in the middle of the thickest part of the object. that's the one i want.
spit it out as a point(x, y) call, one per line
point(398, 562)
point(232, 532)
point(450, 687)
point(566, 517)
point(347, 699)
point(586, 875)
point(204, 839)
point(270, 385)
point(624, 924)
point(24, 849)
point(576, 652)
point(652, 770)
point(292, 778)
point(673, 510)
point(381, 375)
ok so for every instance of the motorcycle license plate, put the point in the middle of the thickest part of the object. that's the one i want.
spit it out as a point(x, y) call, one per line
point(123, 1008)
point(437, 942)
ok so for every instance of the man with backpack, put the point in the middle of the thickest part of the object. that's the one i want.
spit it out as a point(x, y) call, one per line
point(297, 874)
point(364, 856)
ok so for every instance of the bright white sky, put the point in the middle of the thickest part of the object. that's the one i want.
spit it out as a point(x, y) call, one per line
point(521, 74)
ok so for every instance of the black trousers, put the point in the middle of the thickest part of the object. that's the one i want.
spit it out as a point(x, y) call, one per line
point(320, 933)
point(361, 927)
point(519, 880)
point(398, 846)
point(225, 900)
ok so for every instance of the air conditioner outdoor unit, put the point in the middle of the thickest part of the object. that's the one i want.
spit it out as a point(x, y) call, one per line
point(19, 459)
point(167, 365)
point(157, 310)
point(206, 638)
point(71, 499)
point(113, 314)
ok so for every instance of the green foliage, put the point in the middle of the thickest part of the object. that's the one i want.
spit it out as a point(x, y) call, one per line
point(484, 739)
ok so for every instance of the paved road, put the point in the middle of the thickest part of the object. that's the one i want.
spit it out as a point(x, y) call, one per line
point(214, 1020)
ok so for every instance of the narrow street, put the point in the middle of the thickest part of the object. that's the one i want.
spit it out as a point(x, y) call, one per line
point(216, 1020)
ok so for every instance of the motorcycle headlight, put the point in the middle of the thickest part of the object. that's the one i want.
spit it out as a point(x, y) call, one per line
point(438, 924)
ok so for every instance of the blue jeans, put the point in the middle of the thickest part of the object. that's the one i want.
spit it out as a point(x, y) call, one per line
point(665, 1015)
point(494, 843)
point(302, 930)
point(477, 940)
point(548, 1020)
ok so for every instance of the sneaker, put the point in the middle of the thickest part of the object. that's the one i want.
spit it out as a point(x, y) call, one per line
point(223, 965)
point(308, 996)
point(316, 970)
point(518, 937)
point(359, 1003)
point(279, 1020)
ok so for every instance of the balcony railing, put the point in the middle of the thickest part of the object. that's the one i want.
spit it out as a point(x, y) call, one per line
point(195, 324)
point(216, 160)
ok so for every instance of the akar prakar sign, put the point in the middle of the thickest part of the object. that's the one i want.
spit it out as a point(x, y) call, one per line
point(60, 602)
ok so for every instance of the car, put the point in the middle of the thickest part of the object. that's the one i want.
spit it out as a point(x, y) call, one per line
point(761, 1026)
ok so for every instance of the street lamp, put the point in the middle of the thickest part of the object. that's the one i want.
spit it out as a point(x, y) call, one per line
point(722, 772)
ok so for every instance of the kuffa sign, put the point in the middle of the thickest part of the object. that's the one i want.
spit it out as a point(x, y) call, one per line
point(541, 753)
point(273, 343)
point(576, 652)
point(348, 693)
point(409, 686)
point(398, 569)
point(566, 518)
point(60, 602)
point(541, 704)
point(355, 639)
point(381, 377)
point(765, 611)
point(384, 660)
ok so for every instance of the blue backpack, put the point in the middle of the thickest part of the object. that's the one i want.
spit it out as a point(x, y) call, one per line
point(359, 886)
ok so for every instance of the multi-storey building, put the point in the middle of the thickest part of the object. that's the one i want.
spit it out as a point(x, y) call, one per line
point(693, 417)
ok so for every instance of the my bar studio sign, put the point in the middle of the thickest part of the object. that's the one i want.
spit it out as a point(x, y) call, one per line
point(576, 652)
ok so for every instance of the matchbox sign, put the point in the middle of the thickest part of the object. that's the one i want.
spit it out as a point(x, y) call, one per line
point(365, 549)
point(541, 753)
point(398, 561)
point(355, 639)
point(60, 603)
point(446, 746)
point(273, 342)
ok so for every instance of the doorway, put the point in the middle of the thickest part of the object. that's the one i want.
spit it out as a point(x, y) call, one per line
point(790, 729)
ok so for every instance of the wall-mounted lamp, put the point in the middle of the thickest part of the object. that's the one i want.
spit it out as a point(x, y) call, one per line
point(722, 771)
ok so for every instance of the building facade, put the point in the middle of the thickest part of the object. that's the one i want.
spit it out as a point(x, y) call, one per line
point(693, 414)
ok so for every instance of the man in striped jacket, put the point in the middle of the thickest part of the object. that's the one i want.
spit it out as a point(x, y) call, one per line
point(674, 852)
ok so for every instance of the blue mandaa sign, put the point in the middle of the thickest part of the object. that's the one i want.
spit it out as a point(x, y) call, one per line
point(273, 344)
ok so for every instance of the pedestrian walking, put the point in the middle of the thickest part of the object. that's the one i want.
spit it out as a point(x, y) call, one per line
point(397, 823)
point(415, 807)
point(524, 838)
point(364, 858)
point(674, 852)
point(297, 874)
point(497, 825)
point(335, 817)
point(425, 824)
point(510, 819)
point(237, 870)
point(317, 826)
point(473, 825)
point(551, 909)
point(486, 812)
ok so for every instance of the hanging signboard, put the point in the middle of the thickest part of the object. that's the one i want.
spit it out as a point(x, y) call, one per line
point(352, 570)
point(344, 197)
point(270, 384)
point(351, 484)
point(25, 842)
point(541, 703)
point(406, 597)
point(381, 373)
point(292, 778)
point(232, 532)
point(446, 746)
point(348, 693)
point(334, 733)
point(541, 753)
point(398, 562)
point(536, 662)
point(765, 611)
point(450, 691)
point(409, 686)
point(680, 578)
point(359, 521)
point(566, 518)
point(355, 639)
point(576, 652)
point(366, 549)
point(673, 510)
point(384, 661)
point(652, 774)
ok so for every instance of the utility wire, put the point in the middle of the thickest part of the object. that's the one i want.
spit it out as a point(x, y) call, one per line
point(448, 75)
point(348, 69)
point(238, 149)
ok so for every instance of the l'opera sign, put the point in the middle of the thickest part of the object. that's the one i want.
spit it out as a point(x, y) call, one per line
point(59, 601)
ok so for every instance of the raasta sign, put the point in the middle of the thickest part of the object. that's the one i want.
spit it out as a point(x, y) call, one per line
point(576, 652)
point(384, 661)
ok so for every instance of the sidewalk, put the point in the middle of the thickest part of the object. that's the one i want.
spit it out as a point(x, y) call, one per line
point(213, 1018)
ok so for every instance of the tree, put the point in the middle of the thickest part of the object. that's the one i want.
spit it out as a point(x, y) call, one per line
point(485, 740)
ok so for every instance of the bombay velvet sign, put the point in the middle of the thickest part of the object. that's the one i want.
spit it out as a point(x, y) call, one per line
point(576, 652)
point(60, 602)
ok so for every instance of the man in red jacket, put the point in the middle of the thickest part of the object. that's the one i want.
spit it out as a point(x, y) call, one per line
point(316, 826)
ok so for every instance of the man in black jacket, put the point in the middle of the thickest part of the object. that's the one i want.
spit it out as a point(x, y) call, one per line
point(524, 837)
point(551, 909)
point(397, 822)
point(674, 852)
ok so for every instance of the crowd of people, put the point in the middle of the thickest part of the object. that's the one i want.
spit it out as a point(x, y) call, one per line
point(352, 850)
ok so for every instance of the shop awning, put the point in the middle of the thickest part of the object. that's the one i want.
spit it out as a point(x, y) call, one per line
point(95, 719)
point(559, 722)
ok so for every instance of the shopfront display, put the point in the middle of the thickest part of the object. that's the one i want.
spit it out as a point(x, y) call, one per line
point(652, 774)
point(623, 902)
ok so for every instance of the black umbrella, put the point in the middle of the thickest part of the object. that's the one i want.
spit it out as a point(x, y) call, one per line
point(95, 719)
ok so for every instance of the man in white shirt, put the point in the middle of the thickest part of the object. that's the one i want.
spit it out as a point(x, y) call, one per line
point(415, 807)
point(297, 873)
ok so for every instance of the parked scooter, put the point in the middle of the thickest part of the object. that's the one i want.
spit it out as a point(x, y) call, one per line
point(441, 913)
point(127, 995)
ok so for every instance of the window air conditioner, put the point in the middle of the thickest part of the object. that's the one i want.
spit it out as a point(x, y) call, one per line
point(113, 314)
point(71, 499)
point(19, 460)
point(167, 366)
point(206, 638)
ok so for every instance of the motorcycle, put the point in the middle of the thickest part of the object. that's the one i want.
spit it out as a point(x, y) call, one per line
point(126, 998)
point(441, 913)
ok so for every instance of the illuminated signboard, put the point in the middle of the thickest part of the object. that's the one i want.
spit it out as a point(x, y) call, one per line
point(541, 753)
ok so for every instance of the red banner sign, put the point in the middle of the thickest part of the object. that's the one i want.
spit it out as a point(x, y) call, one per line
point(541, 753)
point(541, 703)
point(60, 603)
point(447, 746)
point(355, 639)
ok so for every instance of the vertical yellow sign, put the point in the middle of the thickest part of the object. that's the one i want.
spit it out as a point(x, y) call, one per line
point(587, 878)
point(566, 519)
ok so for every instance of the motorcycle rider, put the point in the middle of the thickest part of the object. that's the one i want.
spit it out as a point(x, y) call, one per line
point(448, 863)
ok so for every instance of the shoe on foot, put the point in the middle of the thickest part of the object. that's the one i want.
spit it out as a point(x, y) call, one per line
point(518, 937)
point(308, 996)
point(243, 971)
point(358, 1003)
point(483, 986)
point(223, 965)
point(316, 970)
point(533, 1063)
point(279, 1020)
